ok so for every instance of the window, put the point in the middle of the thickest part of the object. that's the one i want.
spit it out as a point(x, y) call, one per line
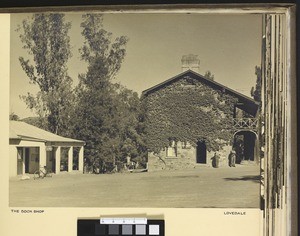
point(171, 151)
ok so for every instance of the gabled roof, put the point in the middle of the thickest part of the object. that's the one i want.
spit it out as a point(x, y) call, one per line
point(24, 131)
point(250, 105)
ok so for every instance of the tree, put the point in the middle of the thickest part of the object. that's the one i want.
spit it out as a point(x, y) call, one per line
point(209, 75)
point(35, 121)
point(256, 92)
point(130, 126)
point(45, 37)
point(13, 116)
point(98, 110)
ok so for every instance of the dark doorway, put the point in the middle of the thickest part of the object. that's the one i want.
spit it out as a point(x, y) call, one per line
point(26, 160)
point(201, 153)
point(64, 160)
point(245, 146)
point(76, 158)
point(50, 160)
point(249, 144)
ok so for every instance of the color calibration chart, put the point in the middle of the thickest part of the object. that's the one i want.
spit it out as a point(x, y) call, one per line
point(120, 226)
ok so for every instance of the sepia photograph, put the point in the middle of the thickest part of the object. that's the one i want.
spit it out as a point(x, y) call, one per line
point(135, 110)
point(182, 116)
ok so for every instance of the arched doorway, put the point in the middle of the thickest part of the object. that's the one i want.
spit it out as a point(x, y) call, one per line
point(246, 146)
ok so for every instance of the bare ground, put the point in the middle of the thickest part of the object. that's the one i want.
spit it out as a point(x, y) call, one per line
point(200, 187)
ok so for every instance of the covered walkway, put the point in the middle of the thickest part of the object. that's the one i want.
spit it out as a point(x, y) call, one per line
point(31, 147)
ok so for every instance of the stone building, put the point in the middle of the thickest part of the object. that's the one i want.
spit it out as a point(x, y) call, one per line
point(190, 117)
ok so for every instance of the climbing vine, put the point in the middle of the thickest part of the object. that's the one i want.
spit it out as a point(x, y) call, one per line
point(188, 111)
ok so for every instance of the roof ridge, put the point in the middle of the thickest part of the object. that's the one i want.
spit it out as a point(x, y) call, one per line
point(145, 92)
point(24, 130)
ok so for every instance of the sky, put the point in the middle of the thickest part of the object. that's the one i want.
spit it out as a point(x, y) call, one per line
point(229, 45)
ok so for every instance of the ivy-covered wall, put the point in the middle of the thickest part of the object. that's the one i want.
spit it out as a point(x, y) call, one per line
point(188, 110)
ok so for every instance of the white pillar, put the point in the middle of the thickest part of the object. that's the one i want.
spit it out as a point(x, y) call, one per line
point(57, 153)
point(70, 159)
point(42, 155)
point(23, 160)
point(80, 159)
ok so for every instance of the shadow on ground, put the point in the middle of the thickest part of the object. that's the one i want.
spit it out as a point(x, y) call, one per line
point(253, 178)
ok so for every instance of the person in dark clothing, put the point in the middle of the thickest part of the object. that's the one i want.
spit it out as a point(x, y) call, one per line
point(215, 160)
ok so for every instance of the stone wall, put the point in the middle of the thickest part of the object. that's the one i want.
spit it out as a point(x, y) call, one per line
point(185, 159)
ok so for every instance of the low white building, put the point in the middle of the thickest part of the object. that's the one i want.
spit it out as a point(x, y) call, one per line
point(31, 147)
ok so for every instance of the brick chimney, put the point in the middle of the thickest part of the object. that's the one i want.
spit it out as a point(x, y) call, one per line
point(190, 62)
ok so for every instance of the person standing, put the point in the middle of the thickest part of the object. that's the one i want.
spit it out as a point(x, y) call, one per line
point(232, 158)
point(215, 160)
